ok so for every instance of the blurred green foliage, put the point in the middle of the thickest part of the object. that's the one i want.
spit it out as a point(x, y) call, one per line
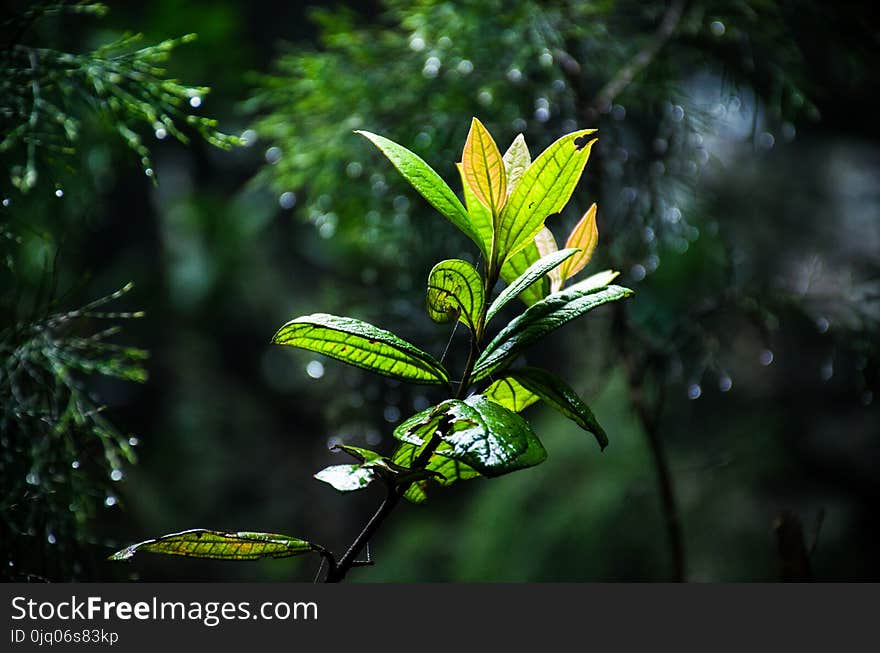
point(734, 182)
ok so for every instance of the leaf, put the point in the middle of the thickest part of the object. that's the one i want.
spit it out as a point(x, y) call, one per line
point(558, 394)
point(450, 471)
point(511, 394)
point(476, 431)
point(200, 543)
point(535, 272)
point(455, 290)
point(519, 263)
point(480, 217)
point(427, 182)
point(540, 319)
point(483, 168)
point(365, 456)
point(347, 478)
point(544, 190)
point(584, 236)
point(598, 280)
point(546, 244)
point(362, 345)
point(516, 160)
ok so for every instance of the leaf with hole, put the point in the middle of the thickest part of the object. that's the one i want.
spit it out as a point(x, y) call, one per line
point(428, 183)
point(543, 190)
point(540, 319)
point(362, 345)
point(219, 545)
point(455, 290)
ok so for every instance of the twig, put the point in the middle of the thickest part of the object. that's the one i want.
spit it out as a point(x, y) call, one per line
point(640, 61)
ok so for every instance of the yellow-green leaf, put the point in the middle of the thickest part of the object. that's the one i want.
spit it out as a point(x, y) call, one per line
point(544, 190)
point(511, 394)
point(219, 545)
point(455, 290)
point(516, 160)
point(480, 217)
point(362, 345)
point(483, 168)
point(584, 236)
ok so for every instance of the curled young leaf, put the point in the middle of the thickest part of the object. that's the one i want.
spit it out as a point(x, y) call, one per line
point(483, 168)
point(219, 545)
point(455, 291)
point(584, 236)
point(362, 345)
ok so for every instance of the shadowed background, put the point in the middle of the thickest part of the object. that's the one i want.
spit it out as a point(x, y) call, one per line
point(736, 177)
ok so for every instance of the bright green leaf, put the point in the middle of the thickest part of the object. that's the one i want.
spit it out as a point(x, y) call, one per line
point(483, 168)
point(200, 543)
point(362, 345)
point(511, 394)
point(427, 182)
point(558, 394)
point(584, 236)
point(540, 319)
point(534, 273)
point(445, 471)
point(515, 265)
point(347, 478)
point(517, 159)
point(544, 190)
point(455, 290)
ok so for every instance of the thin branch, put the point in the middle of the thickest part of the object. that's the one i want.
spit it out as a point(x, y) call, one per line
point(640, 61)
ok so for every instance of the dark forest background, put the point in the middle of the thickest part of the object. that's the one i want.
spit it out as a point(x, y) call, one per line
point(737, 181)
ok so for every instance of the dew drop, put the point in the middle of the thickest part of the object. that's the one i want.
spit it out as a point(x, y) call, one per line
point(133, 441)
point(110, 501)
point(391, 414)
point(822, 325)
point(195, 101)
point(273, 155)
point(765, 357)
point(315, 369)
point(59, 192)
point(32, 478)
point(694, 391)
point(74, 464)
point(725, 383)
point(717, 28)
point(161, 133)
point(287, 200)
point(7, 202)
point(465, 67)
point(50, 538)
point(116, 475)
point(248, 137)
point(638, 272)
